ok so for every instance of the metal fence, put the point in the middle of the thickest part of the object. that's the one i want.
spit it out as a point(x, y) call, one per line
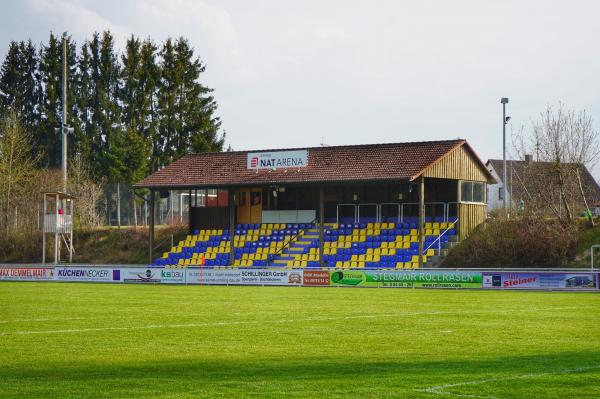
point(120, 206)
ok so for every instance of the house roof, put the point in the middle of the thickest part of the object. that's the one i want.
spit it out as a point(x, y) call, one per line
point(350, 163)
point(518, 168)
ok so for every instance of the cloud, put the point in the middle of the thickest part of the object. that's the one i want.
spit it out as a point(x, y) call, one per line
point(285, 73)
point(76, 18)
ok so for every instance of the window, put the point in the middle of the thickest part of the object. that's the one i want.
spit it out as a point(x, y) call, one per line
point(477, 192)
point(500, 193)
point(471, 191)
point(466, 191)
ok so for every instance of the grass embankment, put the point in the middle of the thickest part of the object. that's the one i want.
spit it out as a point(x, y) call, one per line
point(525, 243)
point(104, 245)
point(588, 237)
point(70, 340)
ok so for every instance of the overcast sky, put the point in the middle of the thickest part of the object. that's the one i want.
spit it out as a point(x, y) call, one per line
point(287, 73)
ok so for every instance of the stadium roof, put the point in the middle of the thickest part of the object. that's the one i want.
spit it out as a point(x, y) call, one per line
point(331, 164)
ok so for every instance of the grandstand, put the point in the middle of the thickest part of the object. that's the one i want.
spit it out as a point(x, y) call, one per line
point(372, 245)
point(369, 206)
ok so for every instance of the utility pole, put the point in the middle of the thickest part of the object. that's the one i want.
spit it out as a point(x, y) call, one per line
point(504, 101)
point(64, 128)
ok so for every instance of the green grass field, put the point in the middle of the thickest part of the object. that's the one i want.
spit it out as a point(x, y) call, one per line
point(67, 340)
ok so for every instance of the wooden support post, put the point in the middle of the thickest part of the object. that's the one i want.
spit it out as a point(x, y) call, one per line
point(321, 225)
point(44, 232)
point(71, 232)
point(56, 224)
point(151, 229)
point(421, 219)
point(190, 212)
point(231, 202)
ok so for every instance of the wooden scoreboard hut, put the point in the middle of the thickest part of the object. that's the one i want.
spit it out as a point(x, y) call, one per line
point(396, 182)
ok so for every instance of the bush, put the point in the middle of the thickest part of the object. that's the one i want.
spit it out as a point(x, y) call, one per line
point(523, 242)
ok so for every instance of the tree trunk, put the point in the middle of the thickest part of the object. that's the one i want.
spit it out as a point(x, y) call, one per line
point(584, 198)
point(118, 205)
point(135, 220)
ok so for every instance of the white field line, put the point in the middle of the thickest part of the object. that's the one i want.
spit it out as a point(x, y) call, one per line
point(443, 389)
point(280, 321)
point(217, 324)
point(43, 319)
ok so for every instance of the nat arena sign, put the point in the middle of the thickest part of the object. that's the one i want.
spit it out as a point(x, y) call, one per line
point(277, 160)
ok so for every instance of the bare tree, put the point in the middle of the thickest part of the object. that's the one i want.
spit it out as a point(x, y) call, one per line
point(87, 193)
point(17, 168)
point(563, 143)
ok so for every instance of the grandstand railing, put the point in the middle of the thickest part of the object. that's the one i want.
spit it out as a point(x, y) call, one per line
point(369, 205)
point(272, 257)
point(353, 206)
point(439, 238)
point(356, 210)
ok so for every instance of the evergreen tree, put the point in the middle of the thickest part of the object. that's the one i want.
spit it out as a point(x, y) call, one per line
point(9, 77)
point(131, 113)
point(105, 125)
point(30, 88)
point(200, 131)
point(139, 75)
point(84, 85)
point(50, 106)
point(48, 138)
point(148, 108)
point(19, 83)
point(186, 107)
point(170, 80)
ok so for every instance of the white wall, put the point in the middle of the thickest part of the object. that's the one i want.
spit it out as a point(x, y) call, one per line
point(494, 199)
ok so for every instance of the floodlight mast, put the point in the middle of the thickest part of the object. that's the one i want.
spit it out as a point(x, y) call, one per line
point(504, 101)
point(64, 128)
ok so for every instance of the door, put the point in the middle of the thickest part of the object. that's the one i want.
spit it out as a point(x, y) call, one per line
point(249, 205)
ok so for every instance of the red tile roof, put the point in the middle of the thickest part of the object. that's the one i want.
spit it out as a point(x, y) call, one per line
point(351, 163)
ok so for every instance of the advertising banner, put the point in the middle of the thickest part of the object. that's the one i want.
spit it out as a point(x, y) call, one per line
point(27, 273)
point(277, 160)
point(243, 276)
point(172, 276)
point(98, 274)
point(316, 277)
point(540, 280)
point(407, 278)
point(141, 275)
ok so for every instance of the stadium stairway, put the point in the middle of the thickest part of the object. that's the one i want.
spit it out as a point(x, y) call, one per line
point(302, 252)
point(347, 246)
